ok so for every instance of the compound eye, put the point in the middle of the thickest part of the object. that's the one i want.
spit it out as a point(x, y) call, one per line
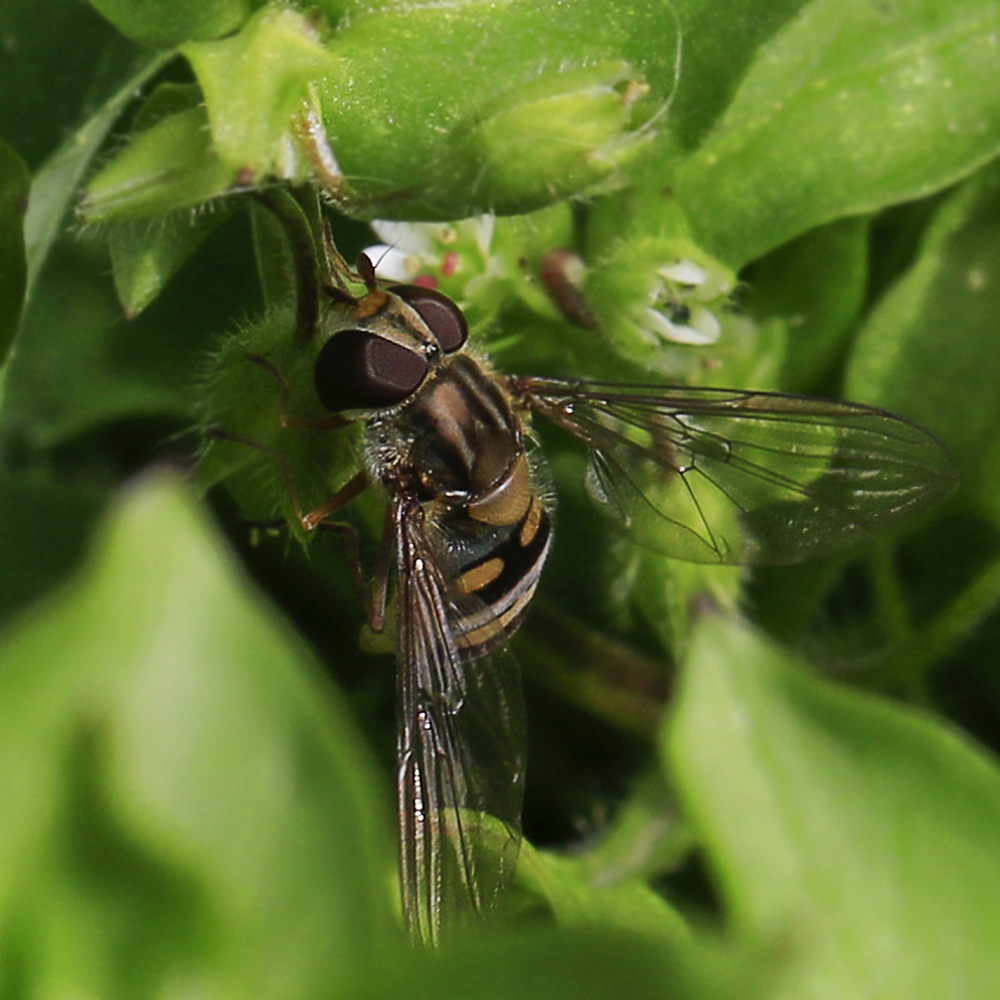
point(441, 315)
point(358, 370)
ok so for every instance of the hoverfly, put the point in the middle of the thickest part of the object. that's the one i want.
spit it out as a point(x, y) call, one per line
point(710, 475)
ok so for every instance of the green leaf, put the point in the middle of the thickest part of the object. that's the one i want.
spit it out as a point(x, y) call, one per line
point(163, 24)
point(79, 364)
point(852, 107)
point(14, 184)
point(930, 351)
point(451, 110)
point(579, 897)
point(54, 188)
point(817, 285)
point(170, 166)
point(146, 255)
point(184, 801)
point(506, 108)
point(572, 965)
point(255, 81)
point(861, 836)
point(717, 46)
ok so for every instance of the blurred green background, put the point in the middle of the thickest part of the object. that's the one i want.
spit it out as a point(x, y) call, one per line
point(792, 793)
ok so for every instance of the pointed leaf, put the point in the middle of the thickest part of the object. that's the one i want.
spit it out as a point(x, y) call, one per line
point(183, 800)
point(54, 189)
point(14, 183)
point(930, 349)
point(852, 107)
point(861, 835)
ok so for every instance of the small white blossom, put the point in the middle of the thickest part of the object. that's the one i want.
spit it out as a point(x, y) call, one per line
point(699, 328)
point(676, 311)
point(410, 237)
point(424, 246)
point(684, 272)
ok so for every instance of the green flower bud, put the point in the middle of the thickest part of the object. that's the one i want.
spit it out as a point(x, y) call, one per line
point(258, 375)
point(450, 110)
point(561, 134)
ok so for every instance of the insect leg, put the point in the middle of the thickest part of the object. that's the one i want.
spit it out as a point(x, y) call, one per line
point(373, 596)
point(312, 519)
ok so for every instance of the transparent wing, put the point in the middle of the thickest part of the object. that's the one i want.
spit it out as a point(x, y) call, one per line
point(460, 754)
point(719, 475)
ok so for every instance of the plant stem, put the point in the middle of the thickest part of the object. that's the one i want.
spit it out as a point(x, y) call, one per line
point(302, 241)
point(892, 610)
point(960, 618)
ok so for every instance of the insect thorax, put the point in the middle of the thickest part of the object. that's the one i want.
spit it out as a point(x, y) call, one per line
point(457, 446)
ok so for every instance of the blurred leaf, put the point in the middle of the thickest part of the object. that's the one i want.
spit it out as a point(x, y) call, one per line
point(79, 364)
point(54, 189)
point(183, 802)
point(45, 525)
point(607, 882)
point(860, 835)
point(669, 592)
point(67, 355)
point(14, 184)
point(572, 965)
point(646, 838)
point(60, 61)
point(163, 24)
point(852, 107)
point(930, 349)
point(816, 284)
point(580, 897)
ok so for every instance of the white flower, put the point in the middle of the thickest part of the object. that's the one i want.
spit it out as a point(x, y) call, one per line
point(412, 248)
point(692, 325)
point(703, 285)
point(684, 272)
point(677, 310)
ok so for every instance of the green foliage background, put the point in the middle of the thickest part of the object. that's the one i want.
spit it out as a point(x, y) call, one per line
point(195, 753)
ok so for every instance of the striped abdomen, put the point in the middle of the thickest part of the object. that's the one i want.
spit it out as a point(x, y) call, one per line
point(503, 577)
